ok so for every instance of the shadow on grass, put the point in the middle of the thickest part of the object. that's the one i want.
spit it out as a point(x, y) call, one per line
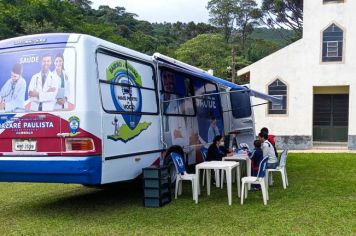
point(93, 200)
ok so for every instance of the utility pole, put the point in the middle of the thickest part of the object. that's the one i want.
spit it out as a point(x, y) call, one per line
point(233, 62)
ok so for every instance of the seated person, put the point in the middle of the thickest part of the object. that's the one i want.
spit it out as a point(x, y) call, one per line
point(256, 157)
point(216, 150)
point(271, 139)
point(268, 150)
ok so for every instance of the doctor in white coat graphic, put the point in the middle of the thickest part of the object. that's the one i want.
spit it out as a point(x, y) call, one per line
point(43, 87)
point(63, 83)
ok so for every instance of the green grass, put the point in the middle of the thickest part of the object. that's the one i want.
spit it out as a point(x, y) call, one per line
point(321, 200)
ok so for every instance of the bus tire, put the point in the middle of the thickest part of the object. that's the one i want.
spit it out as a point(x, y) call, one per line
point(169, 162)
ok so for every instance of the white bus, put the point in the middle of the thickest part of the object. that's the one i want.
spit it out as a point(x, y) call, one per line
point(78, 109)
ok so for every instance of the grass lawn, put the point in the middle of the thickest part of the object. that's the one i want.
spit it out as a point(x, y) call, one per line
point(321, 200)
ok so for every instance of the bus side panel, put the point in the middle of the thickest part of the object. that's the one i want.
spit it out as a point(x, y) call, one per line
point(125, 156)
point(190, 122)
point(130, 120)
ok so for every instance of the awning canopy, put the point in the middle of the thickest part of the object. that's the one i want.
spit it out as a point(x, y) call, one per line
point(201, 73)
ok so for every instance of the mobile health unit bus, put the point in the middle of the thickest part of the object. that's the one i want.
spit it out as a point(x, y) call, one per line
point(78, 109)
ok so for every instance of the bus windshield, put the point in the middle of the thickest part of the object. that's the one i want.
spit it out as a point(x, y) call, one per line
point(37, 80)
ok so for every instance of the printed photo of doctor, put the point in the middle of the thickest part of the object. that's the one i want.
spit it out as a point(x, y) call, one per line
point(13, 92)
point(43, 88)
point(63, 83)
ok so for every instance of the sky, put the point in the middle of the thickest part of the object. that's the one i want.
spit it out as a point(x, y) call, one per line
point(162, 10)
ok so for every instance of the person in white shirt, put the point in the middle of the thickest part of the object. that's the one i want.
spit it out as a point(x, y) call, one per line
point(43, 87)
point(63, 83)
point(12, 94)
point(268, 150)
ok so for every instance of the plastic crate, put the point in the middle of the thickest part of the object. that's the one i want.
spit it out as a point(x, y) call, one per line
point(156, 186)
point(155, 193)
point(155, 173)
point(156, 183)
point(157, 202)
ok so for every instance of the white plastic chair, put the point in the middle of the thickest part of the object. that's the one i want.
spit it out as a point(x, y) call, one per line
point(204, 154)
point(182, 175)
point(280, 168)
point(259, 179)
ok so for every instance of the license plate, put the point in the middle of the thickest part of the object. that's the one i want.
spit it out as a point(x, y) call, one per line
point(25, 145)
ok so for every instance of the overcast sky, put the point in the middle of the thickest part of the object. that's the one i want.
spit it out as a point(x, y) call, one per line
point(162, 10)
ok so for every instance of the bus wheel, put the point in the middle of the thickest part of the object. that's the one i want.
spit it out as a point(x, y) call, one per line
point(169, 162)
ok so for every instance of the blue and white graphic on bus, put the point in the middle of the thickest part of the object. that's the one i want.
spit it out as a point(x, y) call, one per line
point(37, 80)
point(128, 89)
point(126, 98)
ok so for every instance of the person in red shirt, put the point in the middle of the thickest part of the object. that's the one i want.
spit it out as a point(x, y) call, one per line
point(271, 139)
point(270, 136)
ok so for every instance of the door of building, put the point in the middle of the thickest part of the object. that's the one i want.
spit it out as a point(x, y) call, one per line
point(330, 117)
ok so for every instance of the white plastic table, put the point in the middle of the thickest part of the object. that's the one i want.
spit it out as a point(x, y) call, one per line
point(241, 157)
point(221, 165)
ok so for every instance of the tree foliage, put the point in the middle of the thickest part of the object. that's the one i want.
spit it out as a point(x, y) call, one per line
point(22, 17)
point(222, 15)
point(209, 51)
point(247, 16)
point(284, 14)
point(261, 48)
point(203, 45)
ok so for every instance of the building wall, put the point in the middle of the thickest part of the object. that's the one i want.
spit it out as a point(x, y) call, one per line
point(299, 66)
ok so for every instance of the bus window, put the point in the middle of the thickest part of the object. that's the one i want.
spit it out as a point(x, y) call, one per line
point(37, 80)
point(210, 122)
point(240, 104)
point(126, 86)
point(177, 92)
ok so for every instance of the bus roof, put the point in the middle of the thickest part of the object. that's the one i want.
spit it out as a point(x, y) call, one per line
point(39, 39)
point(64, 38)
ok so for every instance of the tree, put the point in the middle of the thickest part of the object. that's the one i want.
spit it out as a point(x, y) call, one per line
point(260, 48)
point(83, 4)
point(284, 14)
point(247, 15)
point(206, 51)
point(222, 15)
point(209, 51)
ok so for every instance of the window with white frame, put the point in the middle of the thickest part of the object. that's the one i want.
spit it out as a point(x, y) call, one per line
point(333, 40)
point(278, 89)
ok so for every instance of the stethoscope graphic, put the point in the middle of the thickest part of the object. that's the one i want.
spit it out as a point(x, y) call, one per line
point(12, 90)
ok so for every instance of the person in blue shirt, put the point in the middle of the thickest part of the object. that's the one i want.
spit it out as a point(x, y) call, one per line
point(216, 150)
point(12, 94)
point(256, 157)
point(213, 130)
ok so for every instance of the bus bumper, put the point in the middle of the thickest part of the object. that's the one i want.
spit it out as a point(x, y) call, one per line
point(79, 170)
